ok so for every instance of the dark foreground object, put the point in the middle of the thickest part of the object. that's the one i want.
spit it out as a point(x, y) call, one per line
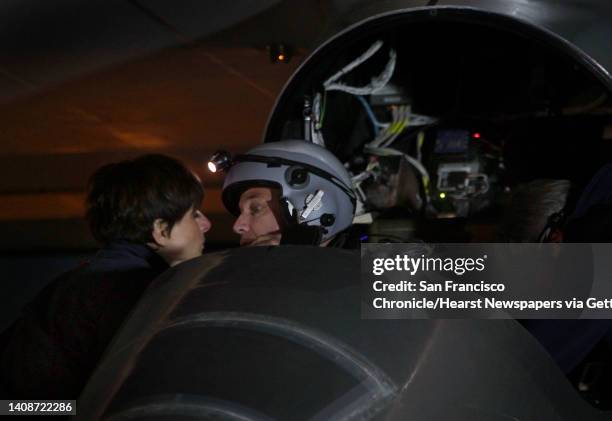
point(276, 333)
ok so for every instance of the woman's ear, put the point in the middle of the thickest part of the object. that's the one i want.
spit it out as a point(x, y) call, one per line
point(160, 233)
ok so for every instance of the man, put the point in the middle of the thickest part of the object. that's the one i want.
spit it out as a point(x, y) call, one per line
point(260, 221)
point(145, 213)
point(289, 192)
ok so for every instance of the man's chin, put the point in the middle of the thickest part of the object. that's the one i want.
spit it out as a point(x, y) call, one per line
point(266, 243)
point(256, 243)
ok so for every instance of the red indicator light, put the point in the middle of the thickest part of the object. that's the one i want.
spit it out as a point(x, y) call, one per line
point(476, 135)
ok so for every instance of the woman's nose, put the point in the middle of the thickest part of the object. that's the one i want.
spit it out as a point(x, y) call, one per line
point(203, 222)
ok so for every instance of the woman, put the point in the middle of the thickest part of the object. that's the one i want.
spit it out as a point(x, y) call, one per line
point(145, 214)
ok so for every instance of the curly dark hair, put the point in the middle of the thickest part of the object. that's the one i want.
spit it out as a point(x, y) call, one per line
point(125, 198)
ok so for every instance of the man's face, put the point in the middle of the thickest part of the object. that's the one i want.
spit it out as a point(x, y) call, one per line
point(186, 238)
point(259, 220)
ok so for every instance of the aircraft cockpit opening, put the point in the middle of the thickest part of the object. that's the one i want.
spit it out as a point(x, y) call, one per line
point(440, 114)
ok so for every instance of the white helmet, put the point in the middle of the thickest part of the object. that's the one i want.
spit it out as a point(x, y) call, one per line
point(315, 186)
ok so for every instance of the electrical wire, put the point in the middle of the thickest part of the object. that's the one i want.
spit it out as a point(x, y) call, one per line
point(416, 164)
point(369, 53)
point(420, 141)
point(375, 84)
point(402, 124)
point(376, 125)
point(323, 103)
point(316, 135)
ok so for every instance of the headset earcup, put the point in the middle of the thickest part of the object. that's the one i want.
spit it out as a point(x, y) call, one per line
point(297, 177)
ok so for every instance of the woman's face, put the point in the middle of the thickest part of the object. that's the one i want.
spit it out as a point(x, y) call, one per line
point(186, 238)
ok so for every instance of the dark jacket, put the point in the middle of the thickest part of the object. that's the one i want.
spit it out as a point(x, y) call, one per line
point(56, 344)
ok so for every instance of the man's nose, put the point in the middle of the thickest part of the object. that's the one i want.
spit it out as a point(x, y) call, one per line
point(241, 225)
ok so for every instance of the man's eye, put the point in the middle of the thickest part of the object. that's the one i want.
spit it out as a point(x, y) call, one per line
point(255, 209)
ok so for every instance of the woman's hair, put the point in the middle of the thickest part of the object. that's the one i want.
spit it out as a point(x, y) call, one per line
point(125, 198)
